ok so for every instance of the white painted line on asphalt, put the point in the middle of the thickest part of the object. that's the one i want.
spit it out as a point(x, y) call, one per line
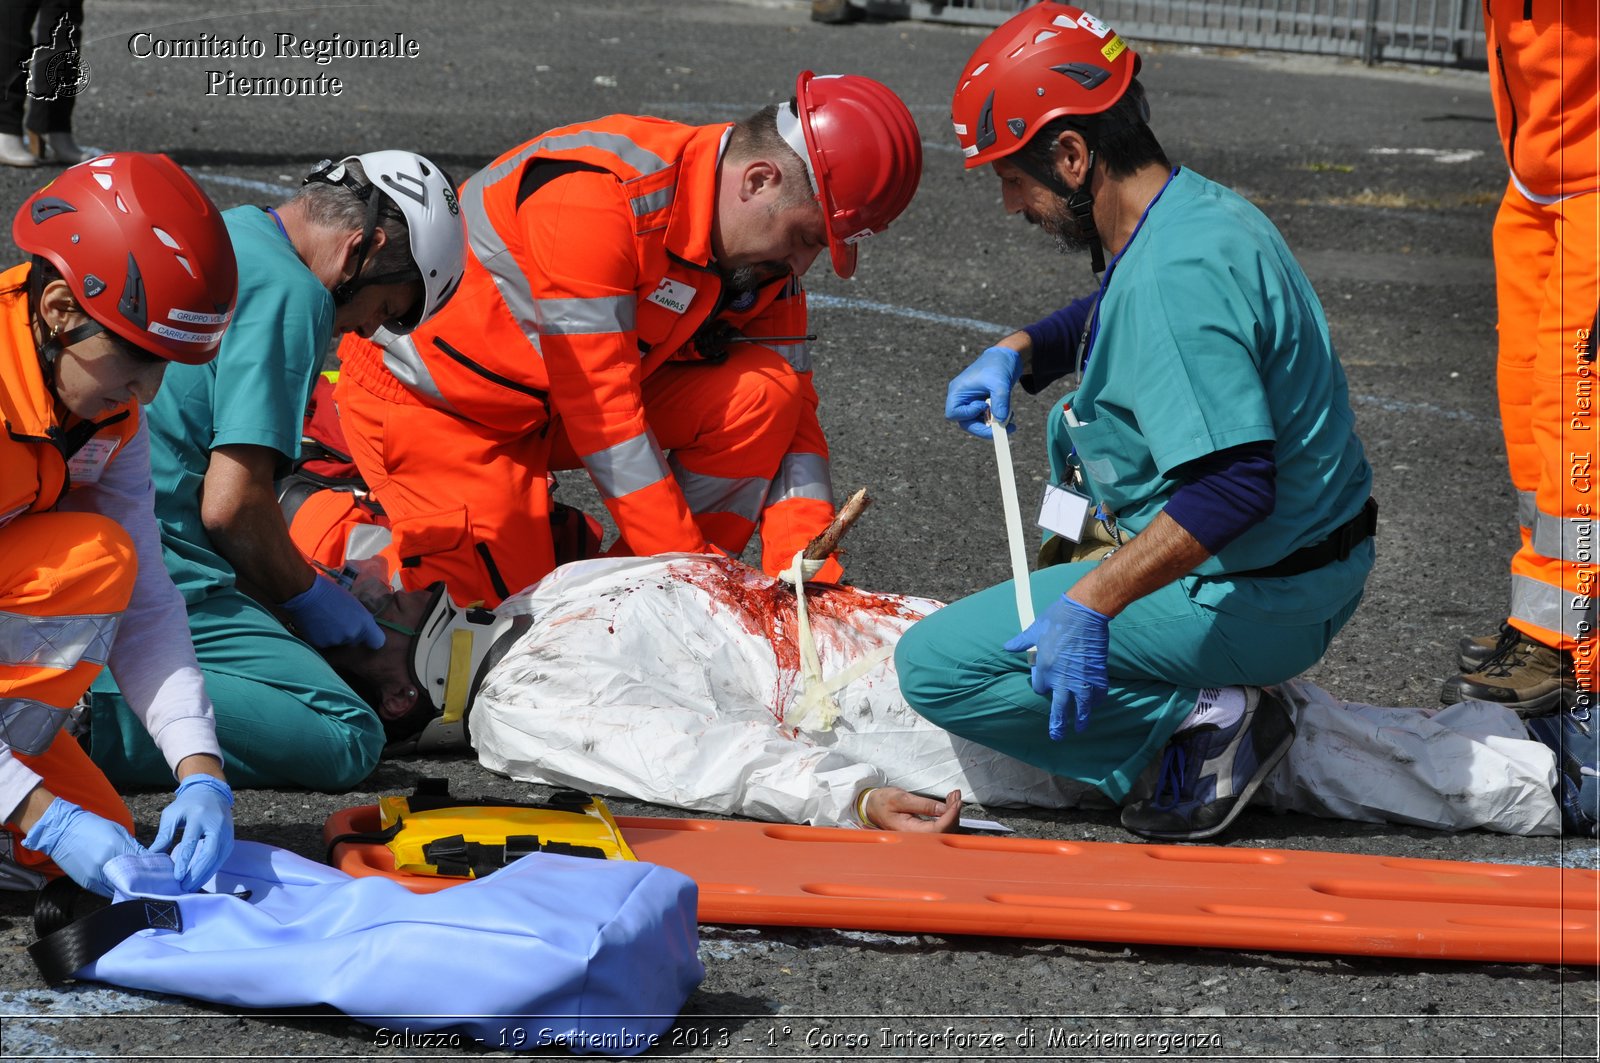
point(841, 302)
point(245, 182)
point(1444, 155)
point(700, 107)
point(1396, 406)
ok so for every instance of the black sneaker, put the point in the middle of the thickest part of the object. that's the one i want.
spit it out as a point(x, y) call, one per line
point(1473, 652)
point(1208, 773)
point(1575, 737)
point(1527, 677)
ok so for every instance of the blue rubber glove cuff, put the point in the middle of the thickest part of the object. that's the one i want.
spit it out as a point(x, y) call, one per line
point(328, 615)
point(983, 386)
point(200, 780)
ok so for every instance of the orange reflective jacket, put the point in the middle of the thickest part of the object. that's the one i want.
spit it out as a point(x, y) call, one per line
point(590, 267)
point(1545, 77)
point(42, 458)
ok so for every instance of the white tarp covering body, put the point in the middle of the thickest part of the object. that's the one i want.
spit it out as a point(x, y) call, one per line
point(675, 679)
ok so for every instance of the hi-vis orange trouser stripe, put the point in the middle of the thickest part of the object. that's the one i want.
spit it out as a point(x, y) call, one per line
point(1547, 269)
point(65, 579)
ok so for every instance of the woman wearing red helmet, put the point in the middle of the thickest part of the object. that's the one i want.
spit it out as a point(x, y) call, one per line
point(131, 269)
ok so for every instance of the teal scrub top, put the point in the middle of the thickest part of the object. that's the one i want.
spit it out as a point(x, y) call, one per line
point(1209, 336)
point(255, 391)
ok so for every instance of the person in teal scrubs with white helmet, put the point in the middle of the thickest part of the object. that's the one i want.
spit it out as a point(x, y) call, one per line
point(373, 241)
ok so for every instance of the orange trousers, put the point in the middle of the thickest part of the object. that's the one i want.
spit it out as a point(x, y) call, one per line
point(1547, 286)
point(472, 508)
point(57, 567)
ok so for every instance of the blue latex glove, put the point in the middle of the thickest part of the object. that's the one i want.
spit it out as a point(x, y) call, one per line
point(1071, 665)
point(203, 811)
point(81, 843)
point(326, 614)
point(983, 385)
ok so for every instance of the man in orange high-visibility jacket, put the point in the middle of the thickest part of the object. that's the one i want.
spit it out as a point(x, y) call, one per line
point(631, 306)
point(1545, 78)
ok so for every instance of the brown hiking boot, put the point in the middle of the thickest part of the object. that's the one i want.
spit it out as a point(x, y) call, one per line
point(1472, 653)
point(1527, 677)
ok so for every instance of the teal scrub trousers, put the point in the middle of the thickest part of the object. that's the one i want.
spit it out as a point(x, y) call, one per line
point(284, 718)
point(1163, 648)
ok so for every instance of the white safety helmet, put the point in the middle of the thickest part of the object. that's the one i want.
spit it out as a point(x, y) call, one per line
point(451, 657)
point(422, 195)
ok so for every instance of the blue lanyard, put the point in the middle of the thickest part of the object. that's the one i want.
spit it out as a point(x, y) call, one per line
point(1094, 314)
point(279, 220)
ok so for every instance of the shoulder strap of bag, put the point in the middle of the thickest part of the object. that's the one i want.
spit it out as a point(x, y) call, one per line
point(64, 949)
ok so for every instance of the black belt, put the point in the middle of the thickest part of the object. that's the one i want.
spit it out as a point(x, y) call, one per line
point(1336, 547)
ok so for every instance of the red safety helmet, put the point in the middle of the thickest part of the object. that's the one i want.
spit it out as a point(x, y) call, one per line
point(1045, 62)
point(143, 248)
point(864, 154)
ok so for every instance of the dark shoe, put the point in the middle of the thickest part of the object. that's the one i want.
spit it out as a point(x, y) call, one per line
point(1208, 774)
point(1527, 677)
point(1576, 740)
point(1472, 653)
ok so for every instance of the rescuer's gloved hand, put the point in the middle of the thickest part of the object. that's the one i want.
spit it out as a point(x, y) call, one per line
point(81, 843)
point(203, 811)
point(1071, 665)
point(326, 614)
point(984, 385)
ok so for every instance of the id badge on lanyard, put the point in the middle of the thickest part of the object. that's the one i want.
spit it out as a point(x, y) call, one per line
point(90, 461)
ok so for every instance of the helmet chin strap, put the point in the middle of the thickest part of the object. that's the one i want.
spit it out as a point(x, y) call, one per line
point(57, 341)
point(1079, 201)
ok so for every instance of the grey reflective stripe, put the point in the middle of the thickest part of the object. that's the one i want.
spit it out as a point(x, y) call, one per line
point(487, 244)
point(584, 317)
point(29, 726)
point(1548, 606)
point(404, 362)
point(802, 476)
point(641, 159)
point(1527, 506)
point(366, 540)
point(490, 251)
point(1568, 539)
point(796, 354)
point(56, 641)
point(743, 497)
point(653, 201)
point(629, 466)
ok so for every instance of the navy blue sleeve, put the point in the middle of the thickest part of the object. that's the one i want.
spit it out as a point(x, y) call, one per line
point(1055, 345)
point(1225, 493)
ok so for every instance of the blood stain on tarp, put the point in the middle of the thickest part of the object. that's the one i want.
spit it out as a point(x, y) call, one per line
point(766, 608)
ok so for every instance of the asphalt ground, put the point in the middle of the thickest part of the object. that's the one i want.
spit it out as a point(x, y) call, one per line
point(1384, 182)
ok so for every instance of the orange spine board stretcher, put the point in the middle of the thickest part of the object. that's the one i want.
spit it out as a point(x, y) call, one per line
point(762, 874)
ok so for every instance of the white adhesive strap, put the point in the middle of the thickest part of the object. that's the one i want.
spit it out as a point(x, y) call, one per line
point(1013, 515)
point(815, 709)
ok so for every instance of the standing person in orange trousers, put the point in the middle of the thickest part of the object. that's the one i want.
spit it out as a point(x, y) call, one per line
point(1545, 77)
point(631, 306)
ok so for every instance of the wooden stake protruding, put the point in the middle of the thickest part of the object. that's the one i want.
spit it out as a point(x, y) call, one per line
point(827, 542)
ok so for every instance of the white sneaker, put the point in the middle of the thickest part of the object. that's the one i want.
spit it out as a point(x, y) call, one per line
point(14, 151)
